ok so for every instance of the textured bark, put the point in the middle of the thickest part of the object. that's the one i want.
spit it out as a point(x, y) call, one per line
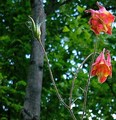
point(31, 110)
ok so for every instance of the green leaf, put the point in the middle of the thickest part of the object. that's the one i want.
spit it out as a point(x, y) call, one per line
point(66, 29)
point(80, 9)
point(79, 31)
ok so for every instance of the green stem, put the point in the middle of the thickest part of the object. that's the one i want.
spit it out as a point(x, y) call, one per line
point(54, 84)
point(73, 81)
point(51, 75)
point(88, 83)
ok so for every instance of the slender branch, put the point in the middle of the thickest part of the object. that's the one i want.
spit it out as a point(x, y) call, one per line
point(88, 82)
point(52, 78)
point(85, 96)
point(54, 84)
point(73, 81)
point(72, 114)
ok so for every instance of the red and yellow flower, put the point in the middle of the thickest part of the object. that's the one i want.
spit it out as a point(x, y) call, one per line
point(102, 67)
point(101, 20)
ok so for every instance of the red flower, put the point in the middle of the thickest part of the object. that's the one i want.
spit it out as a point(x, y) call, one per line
point(101, 20)
point(102, 67)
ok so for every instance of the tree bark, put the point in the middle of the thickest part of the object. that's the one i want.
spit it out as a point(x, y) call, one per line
point(31, 110)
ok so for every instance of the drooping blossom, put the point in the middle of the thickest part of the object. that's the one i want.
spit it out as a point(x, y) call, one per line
point(101, 20)
point(102, 67)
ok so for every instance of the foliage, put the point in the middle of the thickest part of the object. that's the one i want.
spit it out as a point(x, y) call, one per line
point(69, 41)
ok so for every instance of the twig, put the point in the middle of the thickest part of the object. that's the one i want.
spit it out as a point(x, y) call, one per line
point(72, 114)
point(52, 78)
point(54, 84)
point(88, 82)
point(73, 81)
point(85, 96)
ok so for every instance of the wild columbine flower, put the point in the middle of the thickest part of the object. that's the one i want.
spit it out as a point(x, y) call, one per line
point(102, 67)
point(101, 20)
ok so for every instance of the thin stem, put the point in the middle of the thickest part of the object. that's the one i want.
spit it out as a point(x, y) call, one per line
point(72, 114)
point(73, 81)
point(85, 97)
point(52, 78)
point(36, 29)
point(54, 84)
point(88, 83)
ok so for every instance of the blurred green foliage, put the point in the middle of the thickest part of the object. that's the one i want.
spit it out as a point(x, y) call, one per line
point(69, 41)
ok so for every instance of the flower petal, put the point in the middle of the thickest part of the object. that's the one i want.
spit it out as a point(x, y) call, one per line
point(102, 79)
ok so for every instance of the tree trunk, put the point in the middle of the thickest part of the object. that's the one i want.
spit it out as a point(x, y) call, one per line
point(31, 110)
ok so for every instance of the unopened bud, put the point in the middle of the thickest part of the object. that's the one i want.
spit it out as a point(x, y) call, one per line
point(36, 28)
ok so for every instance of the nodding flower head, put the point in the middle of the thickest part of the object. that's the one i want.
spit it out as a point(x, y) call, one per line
point(101, 20)
point(102, 67)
